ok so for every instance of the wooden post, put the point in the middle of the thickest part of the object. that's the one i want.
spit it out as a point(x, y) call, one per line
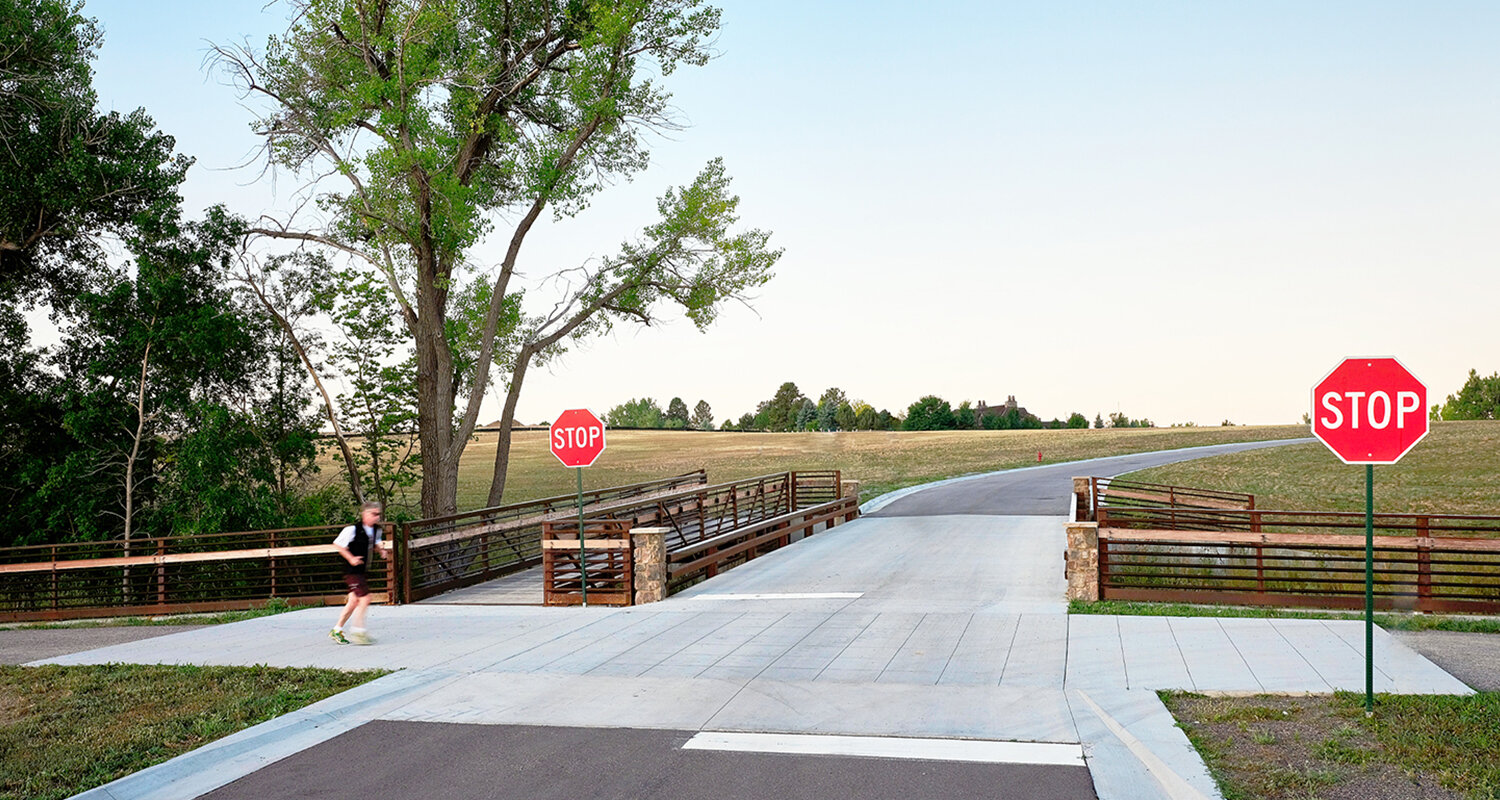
point(791, 483)
point(273, 563)
point(54, 578)
point(1260, 566)
point(1254, 517)
point(161, 573)
point(1424, 563)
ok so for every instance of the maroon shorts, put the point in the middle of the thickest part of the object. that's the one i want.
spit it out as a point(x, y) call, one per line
point(357, 585)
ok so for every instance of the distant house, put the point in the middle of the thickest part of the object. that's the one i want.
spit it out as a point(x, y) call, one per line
point(1001, 410)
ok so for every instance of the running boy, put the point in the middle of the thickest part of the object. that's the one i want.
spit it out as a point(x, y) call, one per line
point(357, 543)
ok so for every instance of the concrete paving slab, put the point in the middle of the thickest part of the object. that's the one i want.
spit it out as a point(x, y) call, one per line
point(1096, 656)
point(1039, 653)
point(1398, 668)
point(1213, 662)
point(1277, 665)
point(980, 655)
point(1152, 657)
point(574, 700)
point(975, 712)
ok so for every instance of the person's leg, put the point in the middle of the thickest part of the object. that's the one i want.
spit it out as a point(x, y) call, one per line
point(358, 620)
point(350, 606)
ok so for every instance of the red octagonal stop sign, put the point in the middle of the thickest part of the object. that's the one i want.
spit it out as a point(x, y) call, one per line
point(577, 437)
point(1369, 411)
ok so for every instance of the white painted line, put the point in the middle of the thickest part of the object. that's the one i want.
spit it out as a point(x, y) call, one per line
point(988, 752)
point(781, 596)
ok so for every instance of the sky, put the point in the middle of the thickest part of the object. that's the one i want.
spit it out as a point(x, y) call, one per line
point(1182, 211)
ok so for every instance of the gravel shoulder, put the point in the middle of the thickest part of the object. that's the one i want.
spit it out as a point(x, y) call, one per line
point(1473, 658)
point(23, 645)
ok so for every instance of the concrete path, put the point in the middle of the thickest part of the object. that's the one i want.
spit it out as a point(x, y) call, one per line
point(20, 645)
point(946, 630)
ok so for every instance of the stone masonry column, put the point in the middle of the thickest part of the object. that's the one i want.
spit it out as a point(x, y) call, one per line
point(1082, 561)
point(1082, 501)
point(649, 548)
point(849, 489)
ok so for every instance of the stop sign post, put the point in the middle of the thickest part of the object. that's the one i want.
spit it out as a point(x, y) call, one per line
point(577, 439)
point(1369, 411)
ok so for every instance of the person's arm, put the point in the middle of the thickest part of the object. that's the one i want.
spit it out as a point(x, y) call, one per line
point(342, 544)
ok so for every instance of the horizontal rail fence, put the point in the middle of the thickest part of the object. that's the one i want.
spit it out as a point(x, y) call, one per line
point(707, 557)
point(174, 574)
point(1113, 493)
point(445, 553)
point(695, 515)
point(1439, 574)
point(713, 528)
point(605, 556)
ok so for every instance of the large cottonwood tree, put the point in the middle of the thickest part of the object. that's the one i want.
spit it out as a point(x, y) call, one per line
point(426, 126)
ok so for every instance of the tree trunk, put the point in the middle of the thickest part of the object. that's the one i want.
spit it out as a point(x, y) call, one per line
point(507, 420)
point(435, 409)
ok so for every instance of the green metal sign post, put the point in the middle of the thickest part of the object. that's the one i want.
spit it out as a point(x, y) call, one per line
point(1369, 590)
point(583, 557)
point(577, 439)
point(1369, 411)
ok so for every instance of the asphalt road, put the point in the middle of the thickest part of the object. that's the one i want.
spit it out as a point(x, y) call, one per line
point(1042, 491)
point(422, 760)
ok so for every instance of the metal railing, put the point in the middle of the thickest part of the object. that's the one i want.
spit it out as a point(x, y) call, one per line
point(175, 574)
point(445, 553)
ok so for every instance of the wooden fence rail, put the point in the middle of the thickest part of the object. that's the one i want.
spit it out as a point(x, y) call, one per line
point(1326, 571)
point(1179, 544)
point(176, 574)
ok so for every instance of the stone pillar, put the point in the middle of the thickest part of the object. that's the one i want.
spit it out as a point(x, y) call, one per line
point(1082, 561)
point(849, 489)
point(649, 550)
point(1085, 509)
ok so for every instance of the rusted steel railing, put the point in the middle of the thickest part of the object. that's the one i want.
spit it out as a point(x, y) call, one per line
point(175, 574)
point(445, 553)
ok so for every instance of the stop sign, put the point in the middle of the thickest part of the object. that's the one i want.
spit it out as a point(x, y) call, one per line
point(1369, 411)
point(577, 437)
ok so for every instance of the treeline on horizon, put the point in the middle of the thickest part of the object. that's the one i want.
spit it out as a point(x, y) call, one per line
point(789, 410)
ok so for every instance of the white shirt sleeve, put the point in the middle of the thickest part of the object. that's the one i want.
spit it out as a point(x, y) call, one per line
point(345, 537)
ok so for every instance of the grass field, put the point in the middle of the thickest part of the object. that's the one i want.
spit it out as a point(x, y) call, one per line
point(1455, 470)
point(1270, 747)
point(880, 460)
point(64, 730)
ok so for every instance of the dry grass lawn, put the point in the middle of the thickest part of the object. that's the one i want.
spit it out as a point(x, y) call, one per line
point(1455, 470)
point(880, 460)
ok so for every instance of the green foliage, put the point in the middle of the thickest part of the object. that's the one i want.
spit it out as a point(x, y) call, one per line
point(70, 174)
point(1077, 421)
point(1120, 420)
point(441, 118)
point(828, 409)
point(931, 413)
point(642, 413)
point(964, 418)
point(676, 417)
point(1478, 399)
point(844, 417)
point(807, 416)
point(747, 422)
point(1098, 422)
point(780, 412)
point(703, 416)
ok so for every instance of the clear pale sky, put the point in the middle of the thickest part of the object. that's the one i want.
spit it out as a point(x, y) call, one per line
point(1184, 211)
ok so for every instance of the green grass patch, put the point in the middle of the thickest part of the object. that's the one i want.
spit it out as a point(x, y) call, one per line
point(64, 730)
point(1452, 471)
point(1456, 739)
point(276, 605)
point(1273, 747)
